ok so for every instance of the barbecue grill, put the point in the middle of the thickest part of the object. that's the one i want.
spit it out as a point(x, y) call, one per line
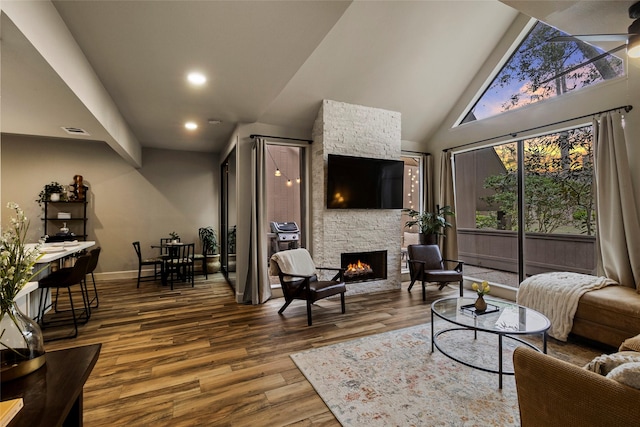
point(286, 235)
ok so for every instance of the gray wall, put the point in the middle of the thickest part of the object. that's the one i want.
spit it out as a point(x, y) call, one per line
point(173, 191)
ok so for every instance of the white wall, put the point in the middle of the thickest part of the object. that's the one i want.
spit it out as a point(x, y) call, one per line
point(173, 191)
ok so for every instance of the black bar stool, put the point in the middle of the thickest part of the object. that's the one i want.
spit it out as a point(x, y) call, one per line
point(65, 278)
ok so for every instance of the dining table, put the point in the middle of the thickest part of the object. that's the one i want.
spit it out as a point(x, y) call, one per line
point(168, 250)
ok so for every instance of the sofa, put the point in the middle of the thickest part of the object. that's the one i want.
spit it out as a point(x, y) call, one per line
point(608, 315)
point(552, 392)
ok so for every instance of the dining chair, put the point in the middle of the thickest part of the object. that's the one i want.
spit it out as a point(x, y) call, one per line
point(297, 273)
point(180, 264)
point(427, 265)
point(164, 249)
point(155, 262)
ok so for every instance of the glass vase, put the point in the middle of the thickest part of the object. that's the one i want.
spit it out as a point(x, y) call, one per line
point(480, 304)
point(21, 344)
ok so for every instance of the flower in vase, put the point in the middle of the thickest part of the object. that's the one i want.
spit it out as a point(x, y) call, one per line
point(481, 289)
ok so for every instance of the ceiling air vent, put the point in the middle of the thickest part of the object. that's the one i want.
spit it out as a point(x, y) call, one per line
point(75, 131)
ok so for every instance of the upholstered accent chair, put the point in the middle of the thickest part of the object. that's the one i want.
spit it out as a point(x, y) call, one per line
point(297, 273)
point(427, 265)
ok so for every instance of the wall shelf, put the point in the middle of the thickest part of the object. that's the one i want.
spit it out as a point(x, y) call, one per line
point(77, 224)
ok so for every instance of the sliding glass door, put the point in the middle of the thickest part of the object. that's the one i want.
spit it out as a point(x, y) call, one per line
point(527, 207)
point(285, 196)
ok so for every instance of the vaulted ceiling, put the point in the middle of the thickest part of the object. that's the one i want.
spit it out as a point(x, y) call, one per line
point(267, 61)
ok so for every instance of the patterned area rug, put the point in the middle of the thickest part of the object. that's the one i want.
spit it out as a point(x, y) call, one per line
point(393, 379)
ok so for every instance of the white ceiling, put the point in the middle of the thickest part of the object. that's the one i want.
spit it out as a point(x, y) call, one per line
point(268, 61)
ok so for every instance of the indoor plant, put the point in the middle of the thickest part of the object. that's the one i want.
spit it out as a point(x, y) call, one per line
point(481, 289)
point(430, 224)
point(209, 239)
point(174, 237)
point(49, 190)
point(21, 341)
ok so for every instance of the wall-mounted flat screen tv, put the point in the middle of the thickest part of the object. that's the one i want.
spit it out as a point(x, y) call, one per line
point(364, 183)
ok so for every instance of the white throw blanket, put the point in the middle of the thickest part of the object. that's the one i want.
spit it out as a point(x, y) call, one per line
point(293, 262)
point(556, 296)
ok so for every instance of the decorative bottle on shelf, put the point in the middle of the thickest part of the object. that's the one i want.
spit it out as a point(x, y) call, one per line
point(64, 229)
point(79, 189)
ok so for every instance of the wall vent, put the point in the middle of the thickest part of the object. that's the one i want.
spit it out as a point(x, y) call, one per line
point(75, 131)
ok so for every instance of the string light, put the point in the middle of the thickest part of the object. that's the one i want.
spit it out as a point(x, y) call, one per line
point(278, 172)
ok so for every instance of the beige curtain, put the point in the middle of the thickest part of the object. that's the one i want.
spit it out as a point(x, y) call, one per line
point(618, 223)
point(257, 288)
point(447, 198)
point(427, 179)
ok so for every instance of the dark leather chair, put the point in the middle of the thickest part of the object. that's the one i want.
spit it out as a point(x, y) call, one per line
point(180, 264)
point(93, 263)
point(296, 271)
point(427, 265)
point(155, 262)
point(66, 278)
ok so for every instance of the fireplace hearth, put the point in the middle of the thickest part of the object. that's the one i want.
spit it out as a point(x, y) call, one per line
point(364, 266)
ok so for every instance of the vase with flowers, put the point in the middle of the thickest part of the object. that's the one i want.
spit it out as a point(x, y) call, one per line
point(481, 289)
point(21, 341)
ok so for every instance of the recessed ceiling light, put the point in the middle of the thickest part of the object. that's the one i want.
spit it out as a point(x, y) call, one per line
point(196, 78)
point(191, 125)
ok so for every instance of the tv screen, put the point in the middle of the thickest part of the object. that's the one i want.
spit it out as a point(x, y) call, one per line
point(364, 183)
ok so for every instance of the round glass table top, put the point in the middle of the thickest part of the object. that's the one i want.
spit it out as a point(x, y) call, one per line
point(500, 316)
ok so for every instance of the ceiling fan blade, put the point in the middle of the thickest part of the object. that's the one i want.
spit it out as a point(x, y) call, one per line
point(591, 38)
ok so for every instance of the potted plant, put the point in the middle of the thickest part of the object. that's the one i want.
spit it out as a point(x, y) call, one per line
point(209, 239)
point(430, 224)
point(174, 237)
point(53, 192)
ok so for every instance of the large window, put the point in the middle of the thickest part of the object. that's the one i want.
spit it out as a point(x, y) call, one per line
point(531, 213)
point(540, 69)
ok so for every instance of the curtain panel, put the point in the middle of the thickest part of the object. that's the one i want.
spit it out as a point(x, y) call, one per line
point(258, 288)
point(447, 198)
point(617, 222)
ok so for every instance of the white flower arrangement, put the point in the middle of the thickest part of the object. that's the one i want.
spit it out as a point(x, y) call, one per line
point(16, 260)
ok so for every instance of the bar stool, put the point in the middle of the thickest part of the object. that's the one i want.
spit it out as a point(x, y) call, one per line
point(93, 263)
point(65, 278)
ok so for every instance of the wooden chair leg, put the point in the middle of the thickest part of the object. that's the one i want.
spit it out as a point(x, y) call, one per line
point(424, 291)
point(342, 302)
point(309, 313)
point(286, 304)
point(461, 283)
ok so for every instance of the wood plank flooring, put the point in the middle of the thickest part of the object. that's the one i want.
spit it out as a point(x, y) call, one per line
point(193, 357)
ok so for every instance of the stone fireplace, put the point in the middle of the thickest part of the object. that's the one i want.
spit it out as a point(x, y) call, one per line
point(354, 130)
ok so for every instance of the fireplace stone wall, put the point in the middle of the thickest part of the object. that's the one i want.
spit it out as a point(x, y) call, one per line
point(354, 130)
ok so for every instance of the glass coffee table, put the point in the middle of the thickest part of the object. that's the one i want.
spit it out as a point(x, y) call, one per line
point(503, 319)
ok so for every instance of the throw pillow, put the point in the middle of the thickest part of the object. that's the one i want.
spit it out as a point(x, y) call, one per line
point(632, 344)
point(627, 374)
point(607, 362)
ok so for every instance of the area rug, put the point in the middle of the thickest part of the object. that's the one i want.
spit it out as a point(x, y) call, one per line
point(393, 379)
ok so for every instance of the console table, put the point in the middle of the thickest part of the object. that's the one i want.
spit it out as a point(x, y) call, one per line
point(52, 395)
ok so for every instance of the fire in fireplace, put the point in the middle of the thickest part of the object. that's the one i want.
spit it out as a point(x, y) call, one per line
point(358, 269)
point(363, 266)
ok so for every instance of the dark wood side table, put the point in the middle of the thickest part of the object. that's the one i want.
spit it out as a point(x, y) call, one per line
point(52, 395)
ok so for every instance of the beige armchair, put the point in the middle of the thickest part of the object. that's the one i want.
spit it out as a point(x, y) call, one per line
point(552, 392)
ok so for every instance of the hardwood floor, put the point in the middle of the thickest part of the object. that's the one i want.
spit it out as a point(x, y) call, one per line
point(193, 357)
